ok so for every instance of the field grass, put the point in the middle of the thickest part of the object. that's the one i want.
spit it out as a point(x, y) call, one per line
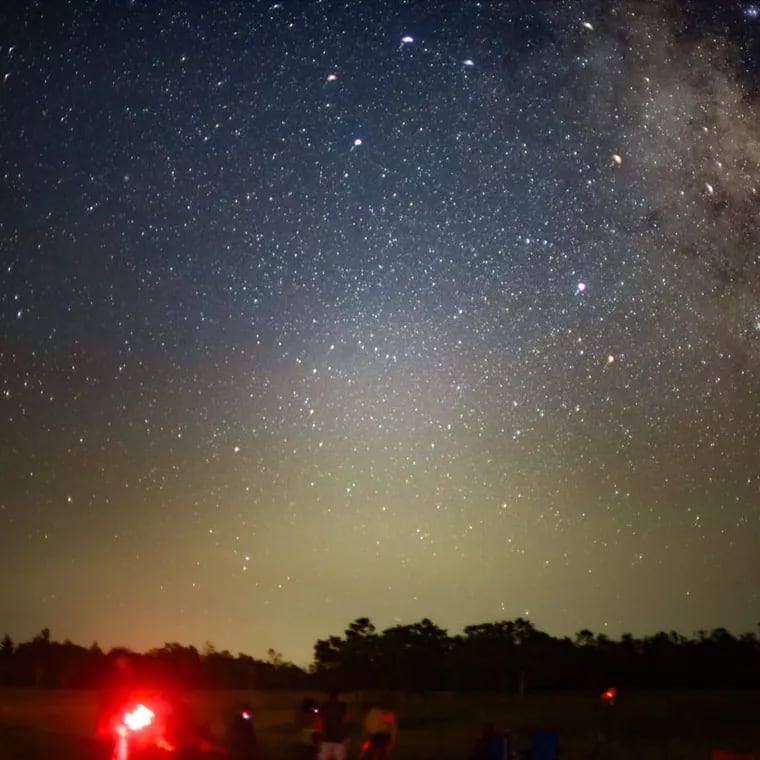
point(642, 726)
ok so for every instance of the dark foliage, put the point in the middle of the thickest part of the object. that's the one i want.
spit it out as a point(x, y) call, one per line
point(44, 663)
point(508, 655)
point(513, 654)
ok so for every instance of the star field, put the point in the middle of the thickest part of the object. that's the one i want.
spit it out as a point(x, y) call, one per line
point(320, 310)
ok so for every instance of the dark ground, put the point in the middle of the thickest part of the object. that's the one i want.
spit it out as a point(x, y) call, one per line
point(59, 725)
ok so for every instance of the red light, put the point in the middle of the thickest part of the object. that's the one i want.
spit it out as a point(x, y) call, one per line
point(610, 694)
point(245, 715)
point(139, 718)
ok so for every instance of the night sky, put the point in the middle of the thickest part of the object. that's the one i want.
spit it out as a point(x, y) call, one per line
point(319, 310)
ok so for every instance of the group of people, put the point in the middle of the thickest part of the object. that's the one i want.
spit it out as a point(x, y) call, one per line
point(324, 733)
point(136, 715)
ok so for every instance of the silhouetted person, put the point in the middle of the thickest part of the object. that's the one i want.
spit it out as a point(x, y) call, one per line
point(309, 723)
point(119, 685)
point(380, 731)
point(334, 745)
point(241, 735)
point(127, 694)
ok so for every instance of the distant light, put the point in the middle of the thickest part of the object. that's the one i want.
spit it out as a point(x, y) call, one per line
point(581, 287)
point(468, 62)
point(587, 25)
point(611, 358)
point(609, 695)
point(332, 77)
point(617, 158)
point(407, 39)
point(357, 142)
point(245, 715)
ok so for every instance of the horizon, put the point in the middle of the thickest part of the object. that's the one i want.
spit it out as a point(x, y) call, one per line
point(380, 630)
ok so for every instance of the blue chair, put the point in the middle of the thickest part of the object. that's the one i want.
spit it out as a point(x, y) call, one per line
point(545, 745)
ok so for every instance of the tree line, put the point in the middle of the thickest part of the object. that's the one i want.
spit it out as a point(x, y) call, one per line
point(513, 655)
point(45, 663)
point(509, 655)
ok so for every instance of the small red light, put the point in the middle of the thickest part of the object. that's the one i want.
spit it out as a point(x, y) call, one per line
point(610, 694)
point(245, 715)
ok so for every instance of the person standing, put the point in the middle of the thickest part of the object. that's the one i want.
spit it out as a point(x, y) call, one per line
point(309, 723)
point(380, 730)
point(241, 735)
point(334, 745)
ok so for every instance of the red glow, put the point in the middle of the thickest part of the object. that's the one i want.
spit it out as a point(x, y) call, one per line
point(161, 743)
point(610, 695)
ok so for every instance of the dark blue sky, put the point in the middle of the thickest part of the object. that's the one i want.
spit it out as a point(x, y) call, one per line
point(320, 310)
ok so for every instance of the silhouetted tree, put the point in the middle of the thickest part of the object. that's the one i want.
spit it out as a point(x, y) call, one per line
point(414, 656)
point(486, 657)
point(7, 648)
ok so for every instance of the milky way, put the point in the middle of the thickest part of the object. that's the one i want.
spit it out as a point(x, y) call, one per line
point(320, 310)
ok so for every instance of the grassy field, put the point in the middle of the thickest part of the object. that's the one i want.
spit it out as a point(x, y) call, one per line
point(642, 726)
